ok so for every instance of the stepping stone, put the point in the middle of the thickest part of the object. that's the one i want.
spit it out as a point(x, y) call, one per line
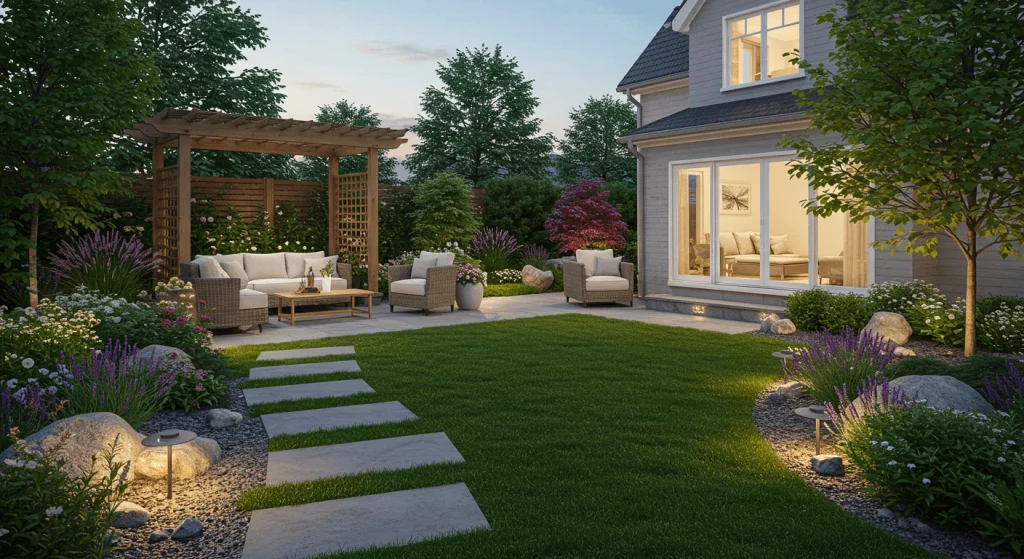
point(306, 352)
point(386, 519)
point(335, 418)
point(397, 453)
point(309, 390)
point(304, 369)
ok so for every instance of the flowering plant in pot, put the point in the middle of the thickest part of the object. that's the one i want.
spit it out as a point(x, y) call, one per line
point(469, 291)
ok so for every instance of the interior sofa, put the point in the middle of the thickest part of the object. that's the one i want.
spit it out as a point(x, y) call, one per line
point(428, 283)
point(597, 277)
point(741, 251)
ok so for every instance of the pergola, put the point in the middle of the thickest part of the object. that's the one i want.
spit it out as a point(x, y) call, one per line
point(353, 200)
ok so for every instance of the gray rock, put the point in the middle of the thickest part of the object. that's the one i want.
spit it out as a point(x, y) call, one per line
point(83, 436)
point(886, 513)
point(776, 398)
point(904, 352)
point(889, 326)
point(219, 418)
point(538, 278)
point(166, 356)
point(131, 516)
point(190, 460)
point(828, 465)
point(938, 391)
point(766, 324)
point(189, 528)
point(792, 389)
point(783, 327)
point(160, 535)
point(913, 524)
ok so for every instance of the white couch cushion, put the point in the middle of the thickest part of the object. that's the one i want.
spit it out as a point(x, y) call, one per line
point(744, 242)
point(607, 283)
point(265, 266)
point(235, 270)
point(449, 256)
point(337, 284)
point(222, 258)
point(589, 258)
point(295, 263)
point(420, 265)
point(415, 286)
point(318, 264)
point(275, 285)
point(210, 269)
point(607, 266)
point(728, 244)
point(251, 299)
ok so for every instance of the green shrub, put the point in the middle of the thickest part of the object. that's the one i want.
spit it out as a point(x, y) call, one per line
point(1001, 328)
point(443, 212)
point(520, 205)
point(994, 302)
point(397, 219)
point(509, 290)
point(936, 318)
point(1006, 500)
point(195, 389)
point(32, 340)
point(898, 296)
point(807, 309)
point(835, 364)
point(972, 370)
point(847, 310)
point(622, 195)
point(908, 366)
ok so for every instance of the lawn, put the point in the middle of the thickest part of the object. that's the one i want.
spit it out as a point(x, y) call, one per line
point(585, 437)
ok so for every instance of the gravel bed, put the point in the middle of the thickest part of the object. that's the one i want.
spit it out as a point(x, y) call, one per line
point(211, 498)
point(792, 438)
point(923, 348)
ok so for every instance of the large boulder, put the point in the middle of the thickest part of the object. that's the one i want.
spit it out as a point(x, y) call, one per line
point(166, 356)
point(190, 460)
point(938, 391)
point(784, 327)
point(768, 322)
point(81, 437)
point(219, 418)
point(535, 277)
point(890, 327)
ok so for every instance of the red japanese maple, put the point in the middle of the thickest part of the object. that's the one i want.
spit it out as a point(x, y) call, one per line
point(584, 218)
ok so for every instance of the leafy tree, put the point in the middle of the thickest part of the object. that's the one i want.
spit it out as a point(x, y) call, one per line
point(443, 212)
point(197, 45)
point(622, 195)
point(590, 148)
point(70, 78)
point(397, 218)
point(480, 120)
point(343, 112)
point(928, 94)
point(583, 218)
point(520, 205)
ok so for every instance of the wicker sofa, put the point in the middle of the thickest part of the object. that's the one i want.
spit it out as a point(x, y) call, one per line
point(434, 291)
point(581, 285)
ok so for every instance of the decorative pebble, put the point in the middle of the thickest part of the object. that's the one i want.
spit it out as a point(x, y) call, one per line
point(160, 535)
point(132, 516)
point(886, 513)
point(189, 528)
point(828, 465)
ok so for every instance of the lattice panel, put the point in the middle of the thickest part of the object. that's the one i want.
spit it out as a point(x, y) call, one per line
point(352, 218)
point(165, 221)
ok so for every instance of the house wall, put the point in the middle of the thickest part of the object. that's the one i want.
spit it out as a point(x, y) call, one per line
point(661, 104)
point(706, 51)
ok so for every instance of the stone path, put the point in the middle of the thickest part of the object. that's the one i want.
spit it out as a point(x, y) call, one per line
point(397, 453)
point(303, 369)
point(386, 519)
point(305, 352)
point(309, 390)
point(396, 518)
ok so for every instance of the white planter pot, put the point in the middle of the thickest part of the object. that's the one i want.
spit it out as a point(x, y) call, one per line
point(469, 297)
point(325, 284)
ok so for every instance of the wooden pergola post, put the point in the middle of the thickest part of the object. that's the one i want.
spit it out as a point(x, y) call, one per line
point(184, 198)
point(332, 205)
point(158, 167)
point(372, 221)
point(268, 198)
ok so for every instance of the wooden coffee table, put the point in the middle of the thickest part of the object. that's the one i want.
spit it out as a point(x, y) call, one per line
point(328, 298)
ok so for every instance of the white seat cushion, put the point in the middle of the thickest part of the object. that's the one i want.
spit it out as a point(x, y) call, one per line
point(337, 284)
point(449, 256)
point(265, 266)
point(415, 286)
point(275, 285)
point(251, 299)
point(295, 263)
point(589, 258)
point(607, 283)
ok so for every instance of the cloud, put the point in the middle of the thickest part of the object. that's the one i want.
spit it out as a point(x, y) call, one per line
point(395, 121)
point(404, 52)
point(320, 85)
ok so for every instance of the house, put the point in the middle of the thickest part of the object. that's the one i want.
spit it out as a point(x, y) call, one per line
point(722, 231)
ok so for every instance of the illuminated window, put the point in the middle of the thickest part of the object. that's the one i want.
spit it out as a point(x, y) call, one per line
point(759, 43)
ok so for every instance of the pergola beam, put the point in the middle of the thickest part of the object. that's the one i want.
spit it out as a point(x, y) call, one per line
point(270, 146)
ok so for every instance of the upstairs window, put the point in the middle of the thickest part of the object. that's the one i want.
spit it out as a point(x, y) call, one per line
point(757, 43)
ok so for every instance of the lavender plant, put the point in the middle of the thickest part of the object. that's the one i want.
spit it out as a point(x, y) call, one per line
point(116, 380)
point(496, 249)
point(875, 395)
point(27, 408)
point(535, 255)
point(834, 362)
point(1007, 389)
point(105, 261)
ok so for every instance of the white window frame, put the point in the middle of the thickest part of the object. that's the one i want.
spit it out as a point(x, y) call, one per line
point(727, 44)
point(765, 285)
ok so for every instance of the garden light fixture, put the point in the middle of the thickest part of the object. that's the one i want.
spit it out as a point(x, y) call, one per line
point(785, 355)
point(169, 438)
point(817, 413)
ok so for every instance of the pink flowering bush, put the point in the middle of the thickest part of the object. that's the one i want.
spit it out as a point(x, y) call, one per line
point(471, 275)
point(584, 218)
point(194, 389)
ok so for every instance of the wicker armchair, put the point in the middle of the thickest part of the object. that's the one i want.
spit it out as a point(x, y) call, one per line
point(223, 297)
point(575, 281)
point(439, 290)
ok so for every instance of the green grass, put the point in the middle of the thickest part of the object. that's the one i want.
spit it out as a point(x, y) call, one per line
point(509, 289)
point(586, 437)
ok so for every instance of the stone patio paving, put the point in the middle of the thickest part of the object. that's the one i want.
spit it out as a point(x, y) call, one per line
point(493, 308)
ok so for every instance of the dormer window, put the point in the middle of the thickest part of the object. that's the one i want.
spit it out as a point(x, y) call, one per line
point(757, 42)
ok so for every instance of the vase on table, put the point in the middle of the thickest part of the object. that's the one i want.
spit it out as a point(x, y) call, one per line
point(469, 296)
point(325, 284)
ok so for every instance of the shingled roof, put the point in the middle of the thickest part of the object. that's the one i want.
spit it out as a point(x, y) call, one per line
point(778, 105)
point(667, 54)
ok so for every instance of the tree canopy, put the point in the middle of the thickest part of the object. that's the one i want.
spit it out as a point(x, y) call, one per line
point(925, 101)
point(480, 120)
point(520, 205)
point(344, 112)
point(590, 149)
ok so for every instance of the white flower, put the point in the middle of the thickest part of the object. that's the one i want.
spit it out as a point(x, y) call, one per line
point(54, 511)
point(911, 466)
point(115, 319)
point(890, 448)
point(44, 371)
point(4, 532)
point(1001, 459)
point(892, 462)
point(28, 363)
point(12, 383)
point(885, 443)
point(926, 481)
point(31, 464)
point(874, 442)
point(14, 463)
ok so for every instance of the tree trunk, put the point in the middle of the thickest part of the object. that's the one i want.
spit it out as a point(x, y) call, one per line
point(971, 297)
point(33, 265)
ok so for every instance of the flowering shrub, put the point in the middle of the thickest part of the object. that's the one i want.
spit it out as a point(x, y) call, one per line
point(835, 364)
point(105, 261)
point(535, 255)
point(1006, 390)
point(583, 218)
point(1002, 329)
point(216, 231)
point(469, 275)
point(27, 408)
point(115, 380)
point(935, 317)
point(495, 248)
point(172, 284)
point(506, 276)
point(461, 257)
point(32, 340)
point(48, 513)
point(194, 389)
point(899, 296)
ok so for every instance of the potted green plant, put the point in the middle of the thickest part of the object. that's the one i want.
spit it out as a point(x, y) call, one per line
point(326, 273)
point(469, 291)
point(360, 270)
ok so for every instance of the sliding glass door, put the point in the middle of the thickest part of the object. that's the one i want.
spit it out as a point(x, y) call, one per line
point(693, 224)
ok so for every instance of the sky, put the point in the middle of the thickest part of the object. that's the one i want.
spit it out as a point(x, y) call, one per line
point(385, 53)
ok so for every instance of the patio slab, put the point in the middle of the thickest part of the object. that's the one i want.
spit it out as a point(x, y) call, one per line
point(303, 369)
point(305, 352)
point(387, 519)
point(396, 453)
point(309, 390)
point(293, 422)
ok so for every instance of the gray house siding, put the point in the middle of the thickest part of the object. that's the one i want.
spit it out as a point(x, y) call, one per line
point(664, 103)
point(706, 50)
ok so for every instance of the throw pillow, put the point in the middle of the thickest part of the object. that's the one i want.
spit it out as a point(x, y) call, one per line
point(265, 266)
point(318, 264)
point(293, 263)
point(210, 269)
point(235, 270)
point(756, 240)
point(728, 243)
point(420, 265)
point(607, 266)
point(780, 244)
point(224, 258)
point(589, 259)
point(443, 258)
point(744, 244)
